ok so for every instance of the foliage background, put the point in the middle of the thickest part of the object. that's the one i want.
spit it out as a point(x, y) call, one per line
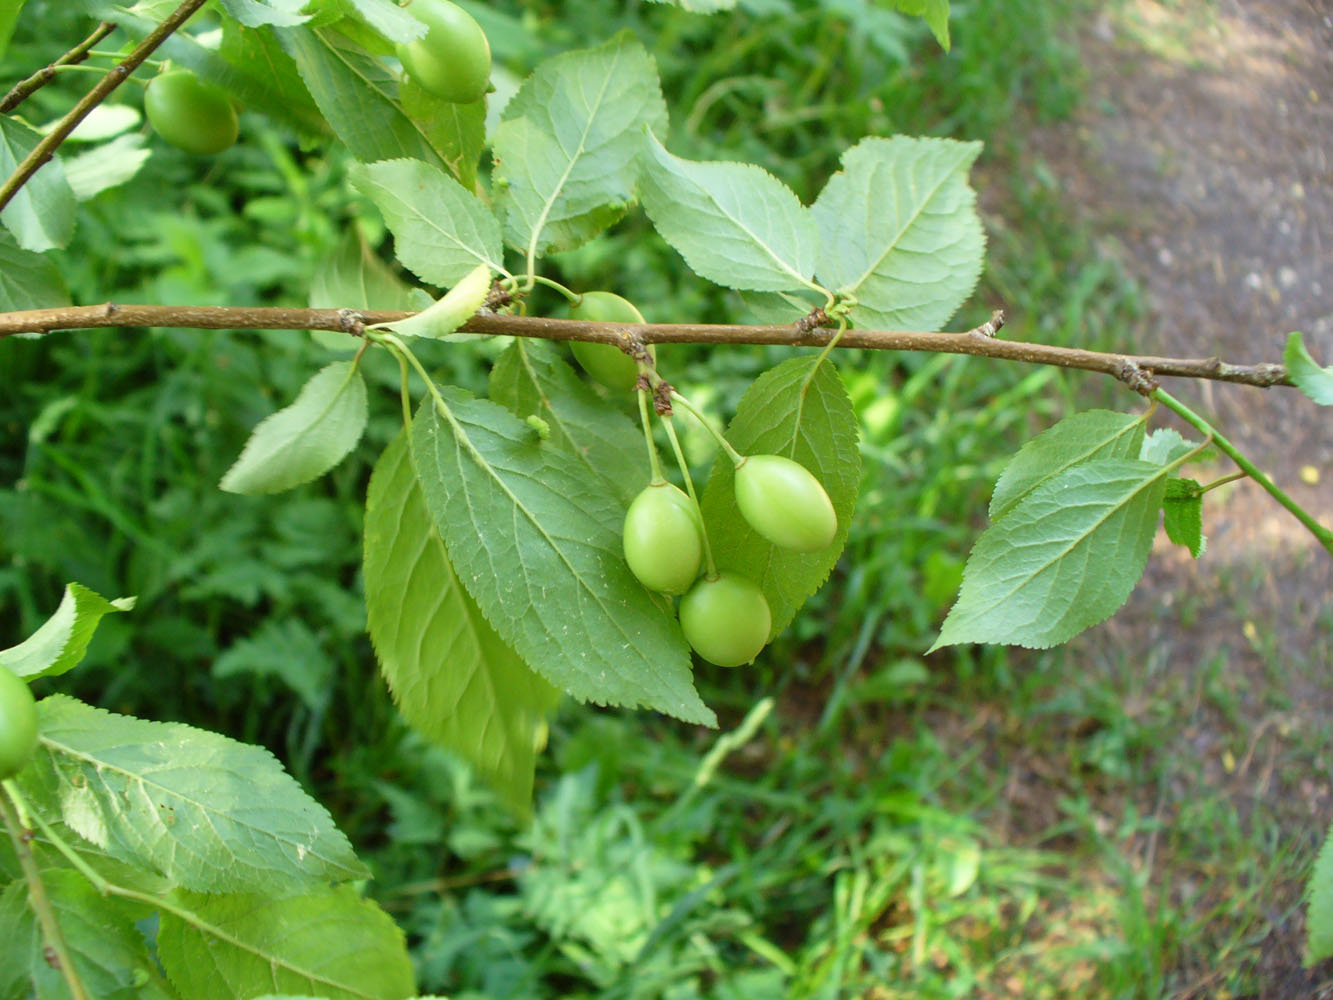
point(859, 829)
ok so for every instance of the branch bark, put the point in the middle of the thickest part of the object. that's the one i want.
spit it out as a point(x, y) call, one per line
point(118, 74)
point(1136, 370)
point(24, 89)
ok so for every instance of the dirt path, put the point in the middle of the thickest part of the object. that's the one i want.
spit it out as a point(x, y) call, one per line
point(1204, 153)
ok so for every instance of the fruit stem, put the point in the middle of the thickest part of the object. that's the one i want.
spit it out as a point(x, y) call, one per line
point(537, 279)
point(710, 570)
point(654, 464)
point(736, 457)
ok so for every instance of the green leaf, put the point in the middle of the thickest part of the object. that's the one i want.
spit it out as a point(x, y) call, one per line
point(453, 678)
point(353, 277)
point(567, 145)
point(357, 95)
point(1315, 382)
point(901, 232)
point(60, 643)
point(457, 132)
point(440, 319)
point(41, 214)
point(803, 413)
point(28, 280)
point(701, 6)
point(1164, 445)
point(286, 649)
point(331, 943)
point(109, 953)
point(1182, 511)
point(390, 20)
point(531, 380)
point(251, 64)
point(535, 538)
point(305, 439)
point(934, 12)
point(202, 810)
point(9, 15)
point(734, 223)
point(1319, 896)
point(440, 231)
point(257, 13)
point(106, 166)
point(1064, 558)
point(1079, 438)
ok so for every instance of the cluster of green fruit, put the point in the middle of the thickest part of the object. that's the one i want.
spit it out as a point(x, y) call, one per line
point(452, 61)
point(724, 615)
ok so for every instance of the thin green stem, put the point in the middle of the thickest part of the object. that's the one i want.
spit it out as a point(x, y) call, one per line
point(401, 351)
point(709, 567)
point(537, 279)
point(1222, 481)
point(37, 897)
point(736, 457)
point(404, 389)
point(56, 841)
point(654, 463)
point(1324, 535)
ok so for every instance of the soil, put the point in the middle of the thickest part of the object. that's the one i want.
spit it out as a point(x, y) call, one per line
point(1203, 155)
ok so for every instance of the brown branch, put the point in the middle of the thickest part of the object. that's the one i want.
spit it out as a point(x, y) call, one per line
point(118, 74)
point(24, 89)
point(1133, 369)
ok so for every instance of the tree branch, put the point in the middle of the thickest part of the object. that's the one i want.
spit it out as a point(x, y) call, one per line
point(117, 75)
point(24, 89)
point(1136, 370)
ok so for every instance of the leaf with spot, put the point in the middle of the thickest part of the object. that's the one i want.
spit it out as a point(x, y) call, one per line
point(535, 538)
point(531, 380)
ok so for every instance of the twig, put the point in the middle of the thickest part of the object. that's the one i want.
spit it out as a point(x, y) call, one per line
point(118, 74)
point(973, 342)
point(24, 89)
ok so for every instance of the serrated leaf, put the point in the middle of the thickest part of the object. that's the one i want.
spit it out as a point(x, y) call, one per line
point(734, 223)
point(109, 953)
point(1079, 438)
point(134, 789)
point(440, 231)
point(331, 943)
point(900, 231)
point(390, 20)
point(452, 677)
point(286, 649)
point(1319, 915)
point(531, 380)
point(257, 13)
point(457, 132)
point(440, 319)
point(812, 422)
point(28, 280)
point(60, 643)
point(567, 146)
point(357, 94)
point(41, 215)
point(535, 538)
point(252, 65)
point(106, 166)
point(1315, 382)
point(307, 438)
point(1064, 558)
point(1164, 445)
point(1182, 514)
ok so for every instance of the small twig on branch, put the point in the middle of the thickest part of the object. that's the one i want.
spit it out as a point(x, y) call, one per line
point(350, 321)
point(118, 74)
point(24, 89)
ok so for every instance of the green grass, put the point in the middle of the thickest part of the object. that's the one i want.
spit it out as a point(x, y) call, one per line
point(868, 822)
